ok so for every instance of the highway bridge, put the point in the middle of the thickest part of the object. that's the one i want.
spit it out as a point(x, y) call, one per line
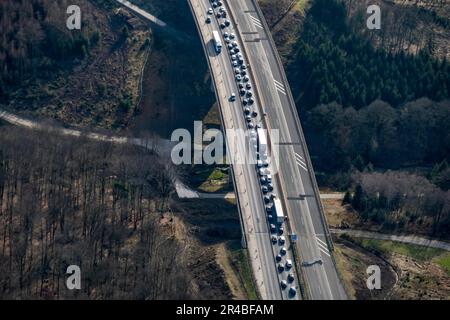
point(295, 182)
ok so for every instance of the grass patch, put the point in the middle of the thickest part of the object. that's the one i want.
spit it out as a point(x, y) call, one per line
point(240, 262)
point(444, 261)
point(414, 251)
point(217, 175)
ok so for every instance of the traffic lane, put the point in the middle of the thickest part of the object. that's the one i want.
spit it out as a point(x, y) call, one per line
point(280, 91)
point(271, 95)
point(227, 83)
point(263, 240)
point(283, 276)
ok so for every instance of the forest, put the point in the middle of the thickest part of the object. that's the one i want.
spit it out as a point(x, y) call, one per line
point(416, 134)
point(331, 62)
point(402, 202)
point(66, 201)
point(36, 43)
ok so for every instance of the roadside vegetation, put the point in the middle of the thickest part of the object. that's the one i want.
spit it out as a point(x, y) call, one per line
point(87, 77)
point(407, 271)
point(102, 207)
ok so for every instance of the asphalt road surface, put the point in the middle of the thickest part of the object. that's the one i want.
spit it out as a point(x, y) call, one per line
point(296, 175)
point(248, 187)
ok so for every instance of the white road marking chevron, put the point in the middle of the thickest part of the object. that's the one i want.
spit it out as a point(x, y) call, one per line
point(300, 161)
point(256, 21)
point(279, 86)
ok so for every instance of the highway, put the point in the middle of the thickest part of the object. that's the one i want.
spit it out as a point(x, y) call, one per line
point(250, 202)
point(296, 175)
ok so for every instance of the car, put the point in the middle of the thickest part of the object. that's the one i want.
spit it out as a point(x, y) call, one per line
point(283, 284)
point(254, 114)
point(233, 57)
point(219, 3)
point(259, 164)
point(264, 189)
point(250, 125)
point(218, 15)
point(283, 250)
point(208, 20)
point(269, 208)
point(291, 277)
point(232, 36)
point(274, 239)
point(226, 34)
point(233, 97)
point(248, 86)
point(265, 163)
point(227, 22)
point(270, 186)
point(246, 78)
point(224, 14)
point(263, 180)
point(242, 92)
point(246, 110)
point(248, 118)
point(236, 70)
point(288, 263)
point(282, 240)
point(221, 9)
point(235, 64)
point(230, 46)
point(249, 93)
point(292, 291)
point(267, 199)
point(241, 85)
point(280, 230)
point(223, 25)
point(235, 44)
point(237, 49)
point(273, 228)
point(278, 257)
point(245, 102)
point(214, 4)
point(243, 67)
point(269, 217)
point(269, 178)
point(280, 267)
point(238, 77)
point(250, 101)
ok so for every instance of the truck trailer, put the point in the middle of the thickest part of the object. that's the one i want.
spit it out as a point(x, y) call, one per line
point(279, 210)
point(262, 143)
point(217, 41)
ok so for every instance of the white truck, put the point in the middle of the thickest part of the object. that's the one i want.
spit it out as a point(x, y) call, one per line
point(262, 143)
point(217, 41)
point(279, 210)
